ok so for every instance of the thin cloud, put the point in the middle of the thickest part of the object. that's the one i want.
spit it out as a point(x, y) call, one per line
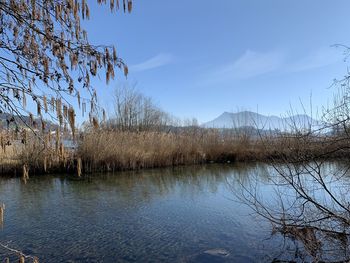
point(320, 58)
point(157, 61)
point(251, 64)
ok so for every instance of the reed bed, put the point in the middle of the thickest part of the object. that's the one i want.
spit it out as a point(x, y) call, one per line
point(113, 150)
point(36, 154)
point(123, 150)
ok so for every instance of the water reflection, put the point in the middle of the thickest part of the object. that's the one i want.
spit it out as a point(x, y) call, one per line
point(307, 205)
point(163, 215)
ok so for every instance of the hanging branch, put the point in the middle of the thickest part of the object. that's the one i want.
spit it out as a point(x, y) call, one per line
point(44, 52)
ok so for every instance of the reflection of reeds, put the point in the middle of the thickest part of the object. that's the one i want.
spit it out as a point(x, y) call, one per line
point(2, 211)
point(25, 174)
point(79, 165)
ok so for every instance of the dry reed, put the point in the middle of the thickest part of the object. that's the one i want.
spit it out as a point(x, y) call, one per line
point(110, 150)
point(2, 211)
point(120, 150)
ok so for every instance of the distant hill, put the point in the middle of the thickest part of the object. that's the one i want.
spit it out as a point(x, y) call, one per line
point(251, 119)
point(23, 121)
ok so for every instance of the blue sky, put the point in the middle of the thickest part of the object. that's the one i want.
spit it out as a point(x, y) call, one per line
point(200, 58)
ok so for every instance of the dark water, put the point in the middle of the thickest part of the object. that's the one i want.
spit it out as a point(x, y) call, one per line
point(166, 215)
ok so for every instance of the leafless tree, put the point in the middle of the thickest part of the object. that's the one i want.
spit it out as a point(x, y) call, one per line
point(45, 56)
point(136, 112)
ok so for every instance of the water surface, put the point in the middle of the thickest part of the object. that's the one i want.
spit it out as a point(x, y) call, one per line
point(163, 215)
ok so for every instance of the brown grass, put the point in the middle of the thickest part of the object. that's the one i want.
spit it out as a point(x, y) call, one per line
point(120, 150)
point(112, 150)
point(36, 155)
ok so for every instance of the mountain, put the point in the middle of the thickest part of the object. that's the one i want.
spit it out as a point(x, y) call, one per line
point(262, 122)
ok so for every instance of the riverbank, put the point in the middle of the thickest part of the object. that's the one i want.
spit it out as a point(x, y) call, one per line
point(113, 150)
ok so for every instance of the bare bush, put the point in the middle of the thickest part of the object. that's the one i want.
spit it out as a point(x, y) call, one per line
point(310, 188)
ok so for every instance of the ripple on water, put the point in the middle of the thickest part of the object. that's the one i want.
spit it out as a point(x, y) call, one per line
point(166, 215)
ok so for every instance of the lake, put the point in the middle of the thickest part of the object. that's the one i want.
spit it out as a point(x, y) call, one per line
point(183, 214)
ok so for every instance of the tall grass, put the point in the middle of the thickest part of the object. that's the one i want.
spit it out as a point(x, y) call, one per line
point(36, 154)
point(112, 150)
point(119, 150)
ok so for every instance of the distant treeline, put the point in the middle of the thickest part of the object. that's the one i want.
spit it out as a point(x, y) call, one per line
point(140, 135)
